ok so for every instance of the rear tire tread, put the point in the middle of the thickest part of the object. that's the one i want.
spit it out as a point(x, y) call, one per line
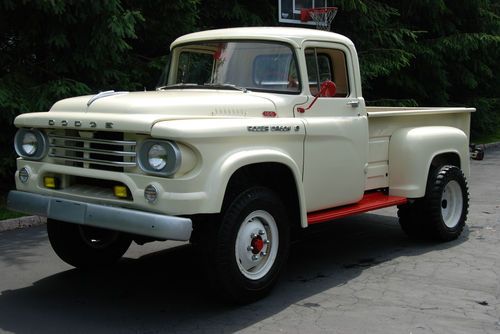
point(422, 219)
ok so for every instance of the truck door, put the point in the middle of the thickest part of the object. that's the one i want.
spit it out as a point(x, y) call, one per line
point(336, 145)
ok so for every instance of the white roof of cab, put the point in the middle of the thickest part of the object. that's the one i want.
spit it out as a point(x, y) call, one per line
point(294, 36)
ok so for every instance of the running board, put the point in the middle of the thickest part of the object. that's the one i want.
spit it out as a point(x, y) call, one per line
point(370, 201)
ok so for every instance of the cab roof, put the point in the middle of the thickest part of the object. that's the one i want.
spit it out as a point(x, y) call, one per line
point(294, 36)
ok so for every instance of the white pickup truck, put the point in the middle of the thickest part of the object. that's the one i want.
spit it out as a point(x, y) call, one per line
point(255, 132)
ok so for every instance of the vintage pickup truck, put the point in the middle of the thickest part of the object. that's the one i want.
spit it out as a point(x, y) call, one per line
point(255, 133)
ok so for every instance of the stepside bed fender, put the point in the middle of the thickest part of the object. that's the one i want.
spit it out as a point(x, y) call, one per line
point(412, 151)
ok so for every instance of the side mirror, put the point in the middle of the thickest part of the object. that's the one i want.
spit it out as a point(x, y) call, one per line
point(328, 89)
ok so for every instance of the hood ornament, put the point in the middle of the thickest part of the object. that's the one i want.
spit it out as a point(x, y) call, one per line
point(104, 94)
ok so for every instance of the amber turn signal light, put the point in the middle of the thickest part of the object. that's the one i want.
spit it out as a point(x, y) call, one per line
point(50, 182)
point(120, 191)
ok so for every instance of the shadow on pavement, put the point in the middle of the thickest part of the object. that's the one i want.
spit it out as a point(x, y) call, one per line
point(164, 291)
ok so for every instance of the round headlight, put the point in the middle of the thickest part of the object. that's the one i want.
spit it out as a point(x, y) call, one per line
point(31, 144)
point(157, 157)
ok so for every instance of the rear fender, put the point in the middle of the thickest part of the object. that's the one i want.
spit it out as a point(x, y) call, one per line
point(411, 152)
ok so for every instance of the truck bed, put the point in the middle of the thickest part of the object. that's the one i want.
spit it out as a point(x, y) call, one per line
point(384, 121)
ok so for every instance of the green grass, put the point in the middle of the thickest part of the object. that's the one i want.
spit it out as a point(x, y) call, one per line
point(7, 214)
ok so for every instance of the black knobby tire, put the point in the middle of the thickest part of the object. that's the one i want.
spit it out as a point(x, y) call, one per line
point(447, 200)
point(442, 213)
point(86, 247)
point(412, 220)
point(256, 210)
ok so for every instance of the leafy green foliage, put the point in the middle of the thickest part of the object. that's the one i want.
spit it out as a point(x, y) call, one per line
point(431, 52)
point(237, 13)
point(163, 22)
point(63, 49)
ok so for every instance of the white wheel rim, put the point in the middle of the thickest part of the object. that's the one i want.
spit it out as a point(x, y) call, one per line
point(451, 204)
point(255, 258)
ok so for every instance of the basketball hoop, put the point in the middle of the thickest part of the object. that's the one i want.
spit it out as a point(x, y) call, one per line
point(323, 16)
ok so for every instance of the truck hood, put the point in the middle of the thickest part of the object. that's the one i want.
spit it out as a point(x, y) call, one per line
point(139, 111)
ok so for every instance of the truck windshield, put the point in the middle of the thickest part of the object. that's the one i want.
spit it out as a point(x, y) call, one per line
point(258, 66)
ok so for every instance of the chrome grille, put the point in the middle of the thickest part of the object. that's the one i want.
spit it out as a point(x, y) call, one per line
point(97, 150)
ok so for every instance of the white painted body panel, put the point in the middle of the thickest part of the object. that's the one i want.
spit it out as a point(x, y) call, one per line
point(335, 151)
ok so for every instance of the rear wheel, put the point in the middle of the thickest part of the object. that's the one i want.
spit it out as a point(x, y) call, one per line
point(442, 213)
point(86, 246)
point(250, 246)
point(447, 203)
point(411, 219)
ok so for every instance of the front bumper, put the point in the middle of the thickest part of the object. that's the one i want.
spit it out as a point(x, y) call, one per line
point(108, 217)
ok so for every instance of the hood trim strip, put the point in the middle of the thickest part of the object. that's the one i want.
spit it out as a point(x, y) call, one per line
point(104, 94)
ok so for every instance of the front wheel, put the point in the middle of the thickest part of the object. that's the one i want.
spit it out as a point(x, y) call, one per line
point(252, 245)
point(86, 246)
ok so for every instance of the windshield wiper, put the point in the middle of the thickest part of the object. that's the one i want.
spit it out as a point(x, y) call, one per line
point(224, 86)
point(205, 85)
point(179, 85)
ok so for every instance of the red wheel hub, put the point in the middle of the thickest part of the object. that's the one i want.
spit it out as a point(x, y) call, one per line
point(257, 244)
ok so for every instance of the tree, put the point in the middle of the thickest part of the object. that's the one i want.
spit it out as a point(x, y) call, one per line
point(163, 22)
point(237, 13)
point(63, 49)
point(428, 53)
point(456, 57)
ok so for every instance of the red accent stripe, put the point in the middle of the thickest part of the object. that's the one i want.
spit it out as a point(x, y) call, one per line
point(370, 201)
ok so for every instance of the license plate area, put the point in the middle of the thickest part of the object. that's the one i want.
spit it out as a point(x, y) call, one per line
point(67, 211)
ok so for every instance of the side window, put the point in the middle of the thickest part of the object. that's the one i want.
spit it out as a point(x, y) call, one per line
point(327, 64)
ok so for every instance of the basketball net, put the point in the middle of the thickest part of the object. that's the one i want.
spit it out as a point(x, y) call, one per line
point(322, 16)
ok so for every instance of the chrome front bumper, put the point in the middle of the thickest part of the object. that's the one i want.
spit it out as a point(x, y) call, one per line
point(109, 217)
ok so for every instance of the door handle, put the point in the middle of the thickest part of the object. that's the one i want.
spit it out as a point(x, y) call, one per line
point(353, 103)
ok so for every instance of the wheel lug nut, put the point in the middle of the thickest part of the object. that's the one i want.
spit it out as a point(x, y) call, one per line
point(261, 232)
point(253, 235)
point(255, 257)
point(263, 254)
point(249, 248)
point(267, 242)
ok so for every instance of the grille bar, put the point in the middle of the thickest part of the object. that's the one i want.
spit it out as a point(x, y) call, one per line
point(94, 150)
point(103, 150)
point(94, 161)
point(95, 141)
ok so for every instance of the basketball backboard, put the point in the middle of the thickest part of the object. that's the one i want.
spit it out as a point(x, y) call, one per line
point(289, 10)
